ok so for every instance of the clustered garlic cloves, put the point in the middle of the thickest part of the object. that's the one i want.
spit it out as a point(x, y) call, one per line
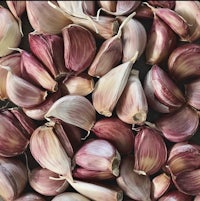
point(102, 105)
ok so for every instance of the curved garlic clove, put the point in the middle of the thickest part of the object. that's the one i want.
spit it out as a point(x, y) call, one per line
point(82, 55)
point(161, 42)
point(17, 7)
point(68, 108)
point(42, 181)
point(70, 196)
point(82, 84)
point(149, 159)
point(179, 126)
point(98, 155)
point(8, 26)
point(14, 177)
point(132, 106)
point(49, 49)
point(190, 10)
point(144, 12)
point(134, 185)
point(182, 57)
point(163, 4)
point(161, 92)
point(115, 131)
point(50, 21)
point(30, 197)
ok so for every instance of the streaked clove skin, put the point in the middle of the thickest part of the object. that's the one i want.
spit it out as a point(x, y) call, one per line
point(98, 155)
point(134, 185)
point(132, 107)
point(70, 196)
point(42, 181)
point(14, 177)
point(81, 57)
point(115, 131)
point(161, 92)
point(163, 4)
point(149, 159)
point(49, 49)
point(30, 197)
point(180, 125)
point(161, 41)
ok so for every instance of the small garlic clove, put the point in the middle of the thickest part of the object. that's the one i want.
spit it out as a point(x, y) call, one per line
point(179, 126)
point(162, 93)
point(96, 192)
point(50, 21)
point(70, 196)
point(160, 185)
point(30, 197)
point(82, 84)
point(82, 55)
point(132, 106)
point(163, 4)
point(68, 108)
point(17, 7)
point(135, 186)
point(49, 49)
point(42, 181)
point(149, 159)
point(117, 132)
point(161, 42)
point(98, 155)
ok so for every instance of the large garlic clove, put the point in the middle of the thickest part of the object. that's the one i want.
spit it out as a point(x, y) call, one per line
point(68, 109)
point(8, 26)
point(182, 57)
point(132, 106)
point(98, 155)
point(179, 126)
point(149, 159)
point(49, 49)
point(161, 92)
point(96, 192)
point(50, 21)
point(135, 186)
point(13, 180)
point(109, 88)
point(82, 55)
point(42, 181)
point(190, 11)
point(70, 196)
point(30, 197)
point(161, 42)
point(163, 4)
point(117, 132)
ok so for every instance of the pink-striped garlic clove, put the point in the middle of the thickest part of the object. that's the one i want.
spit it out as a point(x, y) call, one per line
point(30, 197)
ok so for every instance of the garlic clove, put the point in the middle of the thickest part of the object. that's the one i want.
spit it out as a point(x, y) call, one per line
point(82, 84)
point(179, 126)
point(49, 49)
point(163, 4)
point(50, 21)
point(162, 93)
point(70, 196)
point(96, 192)
point(16, 7)
point(161, 42)
point(149, 159)
point(82, 55)
point(108, 5)
point(3, 93)
point(132, 106)
point(98, 155)
point(143, 12)
point(117, 132)
point(68, 109)
point(42, 181)
point(109, 88)
point(30, 197)
point(135, 186)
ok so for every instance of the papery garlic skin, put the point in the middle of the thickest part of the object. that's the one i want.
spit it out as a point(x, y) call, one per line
point(30, 197)
point(70, 196)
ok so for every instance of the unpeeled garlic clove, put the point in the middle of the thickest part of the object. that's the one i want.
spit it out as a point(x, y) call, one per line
point(161, 42)
point(14, 177)
point(42, 181)
point(16, 7)
point(98, 155)
point(163, 4)
point(68, 108)
point(162, 93)
point(144, 12)
point(180, 125)
point(96, 192)
point(30, 197)
point(70, 196)
point(132, 106)
point(49, 49)
point(149, 159)
point(135, 186)
point(117, 132)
